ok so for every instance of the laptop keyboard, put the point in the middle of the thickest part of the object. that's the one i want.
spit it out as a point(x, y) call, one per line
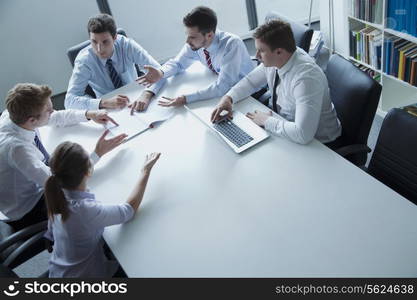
point(233, 133)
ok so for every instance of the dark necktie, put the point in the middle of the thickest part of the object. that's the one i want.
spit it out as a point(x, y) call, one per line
point(42, 149)
point(208, 60)
point(274, 92)
point(117, 82)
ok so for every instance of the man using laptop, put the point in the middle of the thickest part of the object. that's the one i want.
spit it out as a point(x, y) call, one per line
point(107, 64)
point(223, 53)
point(300, 92)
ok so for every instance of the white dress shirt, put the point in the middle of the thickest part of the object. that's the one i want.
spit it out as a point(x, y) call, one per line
point(229, 58)
point(303, 99)
point(22, 170)
point(91, 70)
point(78, 244)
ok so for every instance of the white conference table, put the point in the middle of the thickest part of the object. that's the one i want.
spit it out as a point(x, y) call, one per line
point(277, 210)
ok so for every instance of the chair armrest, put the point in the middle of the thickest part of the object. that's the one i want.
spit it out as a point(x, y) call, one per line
point(37, 238)
point(23, 234)
point(353, 149)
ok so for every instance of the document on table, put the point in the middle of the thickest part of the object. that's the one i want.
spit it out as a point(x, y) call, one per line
point(135, 124)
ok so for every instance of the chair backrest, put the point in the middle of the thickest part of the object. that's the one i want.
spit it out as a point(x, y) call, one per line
point(355, 97)
point(302, 34)
point(394, 161)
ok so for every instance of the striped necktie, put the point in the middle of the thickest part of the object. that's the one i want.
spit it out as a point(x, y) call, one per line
point(208, 60)
point(117, 82)
point(42, 149)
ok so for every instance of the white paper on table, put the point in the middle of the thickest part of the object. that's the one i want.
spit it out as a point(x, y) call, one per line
point(135, 124)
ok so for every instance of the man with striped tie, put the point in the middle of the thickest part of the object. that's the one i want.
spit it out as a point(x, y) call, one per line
point(107, 64)
point(221, 52)
point(23, 158)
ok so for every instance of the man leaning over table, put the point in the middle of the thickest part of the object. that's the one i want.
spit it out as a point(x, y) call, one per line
point(107, 64)
point(300, 92)
point(221, 52)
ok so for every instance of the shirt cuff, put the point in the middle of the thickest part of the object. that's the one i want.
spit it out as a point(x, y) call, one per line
point(165, 71)
point(93, 104)
point(191, 98)
point(156, 86)
point(233, 95)
point(80, 115)
point(271, 124)
point(94, 157)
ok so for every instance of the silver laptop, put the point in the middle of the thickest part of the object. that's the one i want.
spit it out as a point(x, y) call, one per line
point(240, 134)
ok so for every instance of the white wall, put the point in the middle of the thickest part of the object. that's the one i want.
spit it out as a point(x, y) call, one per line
point(34, 38)
point(157, 25)
point(297, 10)
point(340, 24)
point(36, 34)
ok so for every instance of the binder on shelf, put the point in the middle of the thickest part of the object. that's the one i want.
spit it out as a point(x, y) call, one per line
point(408, 56)
point(390, 48)
point(402, 16)
point(401, 67)
point(367, 10)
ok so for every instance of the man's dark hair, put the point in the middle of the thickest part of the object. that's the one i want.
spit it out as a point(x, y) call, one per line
point(276, 34)
point(203, 18)
point(102, 23)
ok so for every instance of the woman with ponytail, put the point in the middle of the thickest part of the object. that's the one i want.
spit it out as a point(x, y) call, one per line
point(77, 220)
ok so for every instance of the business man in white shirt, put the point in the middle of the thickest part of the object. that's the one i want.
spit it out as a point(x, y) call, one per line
point(24, 160)
point(223, 53)
point(299, 87)
point(107, 64)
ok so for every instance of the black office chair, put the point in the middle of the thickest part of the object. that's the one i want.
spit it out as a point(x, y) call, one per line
point(394, 161)
point(20, 246)
point(74, 50)
point(302, 36)
point(355, 96)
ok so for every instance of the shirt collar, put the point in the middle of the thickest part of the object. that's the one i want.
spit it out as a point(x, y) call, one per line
point(27, 135)
point(288, 65)
point(78, 195)
point(113, 57)
point(214, 44)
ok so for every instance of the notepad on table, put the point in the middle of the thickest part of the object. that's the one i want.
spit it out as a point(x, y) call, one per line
point(135, 124)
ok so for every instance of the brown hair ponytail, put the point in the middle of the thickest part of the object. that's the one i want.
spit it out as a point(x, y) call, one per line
point(69, 164)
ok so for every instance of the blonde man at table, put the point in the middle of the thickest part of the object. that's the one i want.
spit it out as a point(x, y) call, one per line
point(108, 64)
point(23, 158)
point(221, 52)
point(300, 92)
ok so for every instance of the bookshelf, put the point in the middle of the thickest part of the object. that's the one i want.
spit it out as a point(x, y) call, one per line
point(380, 41)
